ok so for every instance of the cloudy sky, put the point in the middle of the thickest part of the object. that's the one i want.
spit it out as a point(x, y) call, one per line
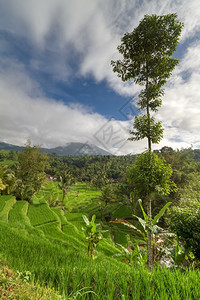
point(57, 85)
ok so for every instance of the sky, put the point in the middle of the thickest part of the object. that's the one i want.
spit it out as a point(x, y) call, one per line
point(57, 85)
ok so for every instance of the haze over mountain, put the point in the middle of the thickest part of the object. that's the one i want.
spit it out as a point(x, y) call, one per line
point(68, 149)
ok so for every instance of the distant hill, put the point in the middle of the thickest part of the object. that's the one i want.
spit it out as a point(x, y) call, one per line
point(5, 146)
point(68, 149)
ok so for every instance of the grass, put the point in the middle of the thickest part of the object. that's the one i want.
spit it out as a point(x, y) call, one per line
point(69, 271)
point(51, 245)
point(3, 200)
point(15, 285)
point(40, 214)
point(84, 199)
point(18, 213)
point(60, 214)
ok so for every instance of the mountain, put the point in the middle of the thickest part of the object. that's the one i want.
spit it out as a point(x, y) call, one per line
point(68, 149)
point(5, 146)
point(78, 149)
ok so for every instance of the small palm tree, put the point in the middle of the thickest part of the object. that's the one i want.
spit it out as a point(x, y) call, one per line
point(7, 180)
point(106, 194)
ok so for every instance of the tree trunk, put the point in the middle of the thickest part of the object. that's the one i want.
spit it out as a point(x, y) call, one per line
point(63, 196)
point(148, 110)
point(149, 133)
point(149, 238)
point(149, 235)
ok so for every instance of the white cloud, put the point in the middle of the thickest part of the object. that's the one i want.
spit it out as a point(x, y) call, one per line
point(26, 114)
point(181, 106)
point(91, 28)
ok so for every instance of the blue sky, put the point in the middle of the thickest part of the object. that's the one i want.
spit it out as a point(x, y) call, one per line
point(57, 85)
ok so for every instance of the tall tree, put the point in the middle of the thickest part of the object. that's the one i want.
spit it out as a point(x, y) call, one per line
point(147, 61)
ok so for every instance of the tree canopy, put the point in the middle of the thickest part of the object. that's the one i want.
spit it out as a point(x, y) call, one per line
point(147, 60)
point(30, 170)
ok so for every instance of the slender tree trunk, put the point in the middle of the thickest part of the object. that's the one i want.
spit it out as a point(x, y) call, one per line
point(149, 214)
point(149, 133)
point(63, 196)
point(149, 237)
point(148, 110)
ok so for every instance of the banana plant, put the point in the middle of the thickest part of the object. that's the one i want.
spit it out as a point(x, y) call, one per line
point(137, 256)
point(93, 234)
point(149, 223)
point(146, 223)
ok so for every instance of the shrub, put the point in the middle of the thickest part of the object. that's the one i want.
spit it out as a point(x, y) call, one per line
point(185, 222)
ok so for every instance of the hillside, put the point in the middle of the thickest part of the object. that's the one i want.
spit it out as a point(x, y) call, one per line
point(47, 245)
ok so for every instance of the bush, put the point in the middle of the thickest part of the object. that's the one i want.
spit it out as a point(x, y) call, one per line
point(185, 222)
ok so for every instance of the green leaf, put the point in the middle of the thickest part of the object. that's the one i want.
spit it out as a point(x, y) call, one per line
point(144, 214)
point(2, 185)
point(126, 223)
point(93, 218)
point(86, 220)
point(161, 213)
point(124, 249)
point(142, 222)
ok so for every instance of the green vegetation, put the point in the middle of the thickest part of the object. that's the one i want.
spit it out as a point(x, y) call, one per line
point(56, 265)
point(30, 171)
point(53, 249)
point(7, 180)
point(93, 234)
point(185, 222)
point(40, 214)
point(147, 60)
point(66, 180)
point(8, 202)
point(19, 285)
point(18, 213)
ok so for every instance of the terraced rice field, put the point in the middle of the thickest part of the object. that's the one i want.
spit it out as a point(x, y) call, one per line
point(54, 222)
point(50, 244)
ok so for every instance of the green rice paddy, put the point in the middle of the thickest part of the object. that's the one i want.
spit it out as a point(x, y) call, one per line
point(50, 243)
